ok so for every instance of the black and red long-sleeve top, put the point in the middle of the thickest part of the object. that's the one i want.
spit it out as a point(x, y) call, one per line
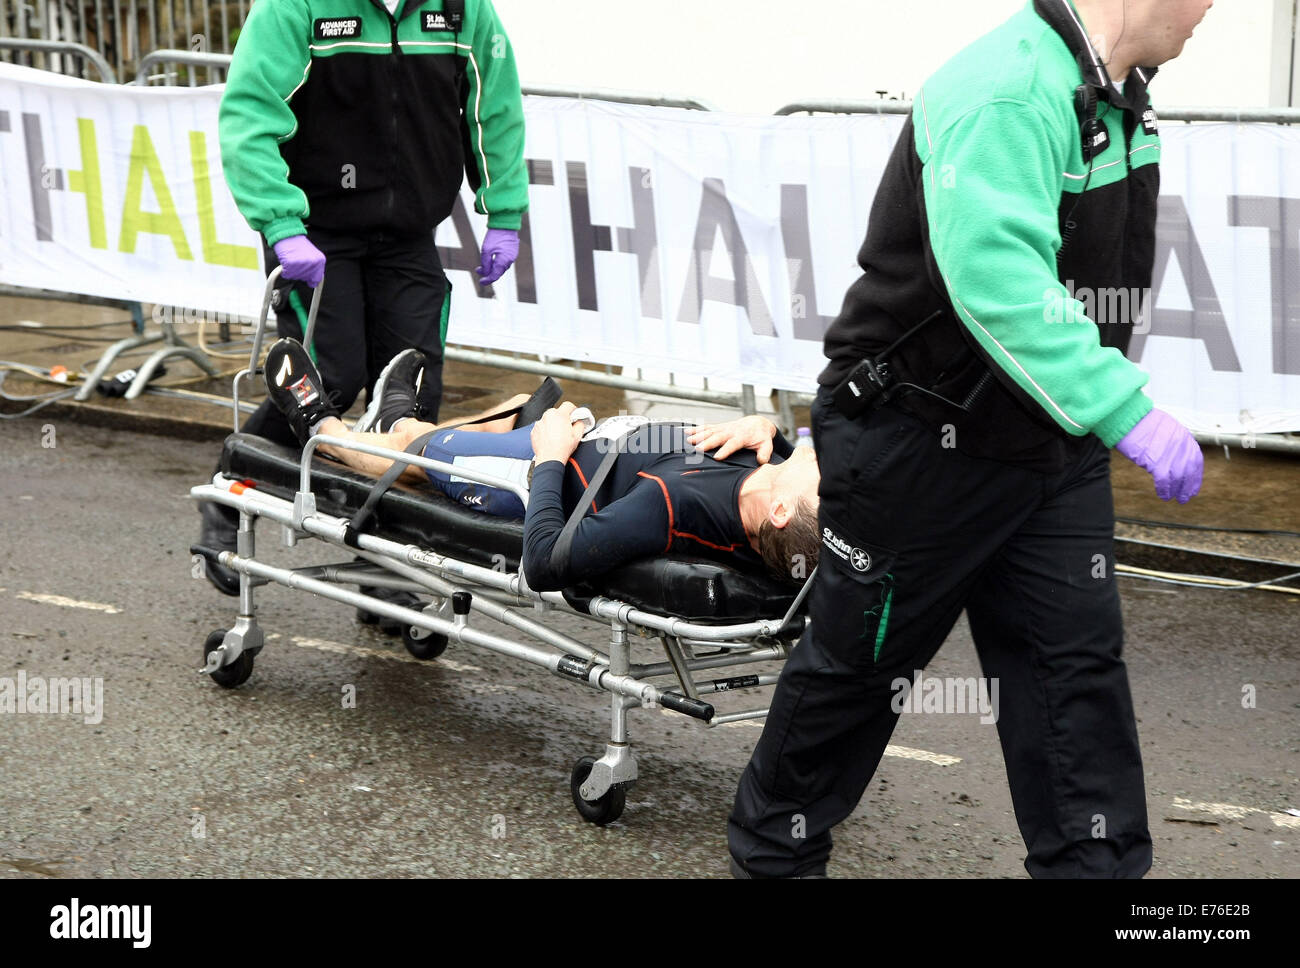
point(661, 497)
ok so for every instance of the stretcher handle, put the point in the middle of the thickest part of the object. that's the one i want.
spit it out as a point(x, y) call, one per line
point(687, 706)
point(267, 295)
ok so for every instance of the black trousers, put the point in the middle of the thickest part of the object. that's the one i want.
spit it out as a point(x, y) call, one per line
point(914, 532)
point(383, 294)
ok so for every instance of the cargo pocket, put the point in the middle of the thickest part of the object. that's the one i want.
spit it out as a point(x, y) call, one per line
point(857, 594)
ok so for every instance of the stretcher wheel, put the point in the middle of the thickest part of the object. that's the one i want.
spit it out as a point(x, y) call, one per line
point(430, 646)
point(233, 675)
point(603, 810)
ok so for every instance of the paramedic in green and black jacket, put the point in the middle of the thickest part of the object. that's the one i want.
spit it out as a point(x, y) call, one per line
point(1025, 180)
point(347, 128)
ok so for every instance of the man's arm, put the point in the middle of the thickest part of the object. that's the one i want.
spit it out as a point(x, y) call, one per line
point(992, 187)
point(746, 433)
point(634, 526)
point(494, 123)
point(270, 62)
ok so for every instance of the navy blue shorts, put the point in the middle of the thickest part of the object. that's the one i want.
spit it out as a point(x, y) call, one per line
point(508, 456)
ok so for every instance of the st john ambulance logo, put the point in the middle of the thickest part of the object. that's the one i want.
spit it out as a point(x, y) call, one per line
point(860, 560)
point(434, 21)
point(336, 28)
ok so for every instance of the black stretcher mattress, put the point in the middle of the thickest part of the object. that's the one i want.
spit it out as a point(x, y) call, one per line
point(695, 589)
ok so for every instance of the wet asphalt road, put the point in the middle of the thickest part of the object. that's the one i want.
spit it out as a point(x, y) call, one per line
point(459, 768)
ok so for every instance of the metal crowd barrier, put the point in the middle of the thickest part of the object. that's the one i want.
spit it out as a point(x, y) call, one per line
point(53, 51)
point(1188, 114)
point(120, 30)
point(622, 97)
point(216, 66)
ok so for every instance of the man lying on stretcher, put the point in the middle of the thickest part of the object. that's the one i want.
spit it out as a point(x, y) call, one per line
point(754, 501)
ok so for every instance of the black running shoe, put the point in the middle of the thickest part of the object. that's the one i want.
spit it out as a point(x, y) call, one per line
point(296, 388)
point(397, 391)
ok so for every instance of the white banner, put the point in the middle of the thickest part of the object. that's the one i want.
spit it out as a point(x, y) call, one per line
point(706, 244)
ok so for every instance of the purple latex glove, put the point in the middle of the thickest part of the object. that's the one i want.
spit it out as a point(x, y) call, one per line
point(1165, 449)
point(500, 250)
point(300, 260)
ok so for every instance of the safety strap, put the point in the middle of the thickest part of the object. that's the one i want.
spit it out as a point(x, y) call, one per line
point(564, 543)
point(364, 518)
point(563, 549)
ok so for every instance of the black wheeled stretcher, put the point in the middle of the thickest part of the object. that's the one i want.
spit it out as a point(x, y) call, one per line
point(705, 615)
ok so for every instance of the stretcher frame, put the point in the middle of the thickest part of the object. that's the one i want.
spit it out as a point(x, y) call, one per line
point(460, 589)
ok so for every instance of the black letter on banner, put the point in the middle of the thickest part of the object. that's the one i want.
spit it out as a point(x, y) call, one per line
point(465, 255)
point(1174, 234)
point(742, 289)
point(641, 240)
point(1281, 216)
point(35, 174)
point(808, 323)
point(525, 269)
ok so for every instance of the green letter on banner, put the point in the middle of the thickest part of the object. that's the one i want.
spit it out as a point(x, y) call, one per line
point(144, 161)
point(88, 183)
point(214, 252)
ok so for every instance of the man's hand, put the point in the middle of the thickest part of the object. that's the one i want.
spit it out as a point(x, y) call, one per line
point(754, 433)
point(500, 250)
point(555, 436)
point(1165, 449)
point(300, 260)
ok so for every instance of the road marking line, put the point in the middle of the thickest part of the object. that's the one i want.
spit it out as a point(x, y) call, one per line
point(1231, 811)
point(325, 645)
point(925, 756)
point(68, 602)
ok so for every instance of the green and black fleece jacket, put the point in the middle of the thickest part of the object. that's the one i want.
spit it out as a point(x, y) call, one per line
point(989, 213)
point(339, 114)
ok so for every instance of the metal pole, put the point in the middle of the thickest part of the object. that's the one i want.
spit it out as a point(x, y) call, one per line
point(50, 31)
point(132, 45)
point(225, 35)
point(98, 24)
point(591, 376)
point(153, 26)
point(1274, 443)
point(117, 36)
point(621, 97)
point(786, 411)
point(1210, 114)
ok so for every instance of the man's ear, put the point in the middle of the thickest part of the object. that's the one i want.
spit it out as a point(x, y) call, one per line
point(780, 512)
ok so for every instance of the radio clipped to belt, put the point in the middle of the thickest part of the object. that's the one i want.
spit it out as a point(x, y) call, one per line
point(873, 382)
